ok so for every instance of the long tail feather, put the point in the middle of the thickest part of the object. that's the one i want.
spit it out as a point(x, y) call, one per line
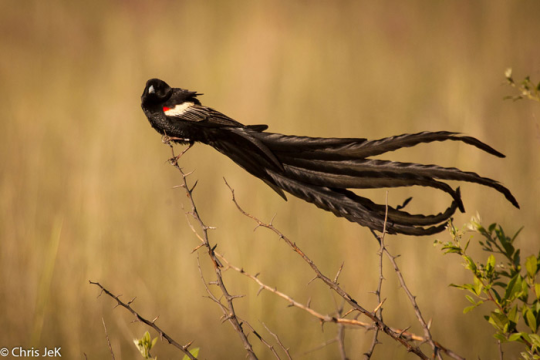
point(354, 208)
point(348, 148)
point(390, 172)
point(321, 170)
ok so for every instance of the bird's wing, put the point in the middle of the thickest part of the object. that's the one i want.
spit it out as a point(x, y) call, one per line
point(204, 115)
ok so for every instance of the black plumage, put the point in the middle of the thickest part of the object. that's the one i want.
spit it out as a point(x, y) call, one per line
point(317, 170)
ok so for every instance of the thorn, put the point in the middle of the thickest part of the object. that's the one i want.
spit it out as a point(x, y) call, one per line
point(197, 248)
point(185, 347)
point(403, 331)
point(339, 272)
point(379, 306)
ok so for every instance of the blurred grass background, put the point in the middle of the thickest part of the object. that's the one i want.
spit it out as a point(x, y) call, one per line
point(86, 192)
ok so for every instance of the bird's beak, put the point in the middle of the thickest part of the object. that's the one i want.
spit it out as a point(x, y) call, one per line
point(151, 89)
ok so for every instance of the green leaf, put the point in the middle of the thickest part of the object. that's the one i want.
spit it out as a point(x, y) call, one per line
point(478, 287)
point(530, 319)
point(469, 287)
point(513, 288)
point(467, 245)
point(490, 266)
point(516, 234)
point(524, 294)
point(145, 344)
point(470, 264)
point(526, 337)
point(513, 314)
point(497, 296)
point(517, 258)
point(474, 304)
point(515, 337)
point(500, 321)
point(531, 264)
point(537, 290)
point(194, 352)
point(451, 249)
point(535, 339)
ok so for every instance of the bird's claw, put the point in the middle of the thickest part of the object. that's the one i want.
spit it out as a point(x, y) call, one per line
point(166, 139)
point(174, 159)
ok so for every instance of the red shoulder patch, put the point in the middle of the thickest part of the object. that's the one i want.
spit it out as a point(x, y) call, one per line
point(166, 109)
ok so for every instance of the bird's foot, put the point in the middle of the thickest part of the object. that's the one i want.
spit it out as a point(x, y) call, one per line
point(166, 139)
point(174, 159)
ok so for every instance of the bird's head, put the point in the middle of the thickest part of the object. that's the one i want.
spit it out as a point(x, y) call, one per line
point(156, 91)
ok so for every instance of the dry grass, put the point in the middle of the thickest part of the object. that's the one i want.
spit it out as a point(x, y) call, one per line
point(85, 192)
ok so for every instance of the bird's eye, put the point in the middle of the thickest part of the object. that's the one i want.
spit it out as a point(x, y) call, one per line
point(151, 89)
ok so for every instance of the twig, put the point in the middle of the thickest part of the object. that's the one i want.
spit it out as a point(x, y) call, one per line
point(403, 337)
point(334, 286)
point(162, 334)
point(341, 337)
point(322, 346)
point(266, 343)
point(230, 314)
point(225, 310)
point(286, 350)
point(412, 299)
point(406, 335)
point(378, 292)
point(108, 341)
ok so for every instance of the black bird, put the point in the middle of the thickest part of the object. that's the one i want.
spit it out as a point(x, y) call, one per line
point(317, 170)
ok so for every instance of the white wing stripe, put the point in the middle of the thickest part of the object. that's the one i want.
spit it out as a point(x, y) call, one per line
point(179, 110)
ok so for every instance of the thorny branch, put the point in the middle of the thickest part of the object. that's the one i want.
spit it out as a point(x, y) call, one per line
point(412, 298)
point(229, 313)
point(378, 311)
point(286, 350)
point(322, 317)
point(162, 334)
point(108, 341)
point(427, 334)
point(400, 336)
